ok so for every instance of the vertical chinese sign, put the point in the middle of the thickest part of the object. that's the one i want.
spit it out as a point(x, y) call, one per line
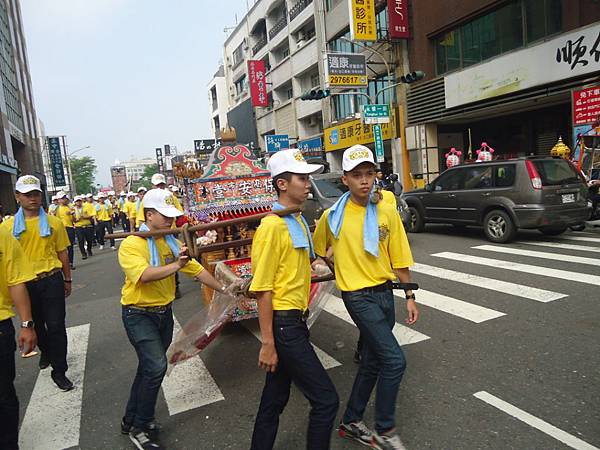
point(258, 84)
point(56, 161)
point(586, 112)
point(398, 19)
point(362, 20)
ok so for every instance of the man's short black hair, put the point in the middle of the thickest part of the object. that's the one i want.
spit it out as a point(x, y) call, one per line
point(287, 176)
point(146, 211)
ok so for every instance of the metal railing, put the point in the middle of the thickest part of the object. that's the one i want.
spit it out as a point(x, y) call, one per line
point(298, 8)
point(260, 44)
point(279, 25)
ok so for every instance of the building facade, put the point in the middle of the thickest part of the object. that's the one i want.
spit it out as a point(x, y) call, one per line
point(19, 135)
point(132, 169)
point(500, 72)
point(218, 102)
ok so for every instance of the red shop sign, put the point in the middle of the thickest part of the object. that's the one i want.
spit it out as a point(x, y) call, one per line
point(586, 105)
point(258, 83)
point(398, 19)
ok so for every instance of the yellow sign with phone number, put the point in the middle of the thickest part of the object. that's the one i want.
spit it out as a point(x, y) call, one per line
point(355, 132)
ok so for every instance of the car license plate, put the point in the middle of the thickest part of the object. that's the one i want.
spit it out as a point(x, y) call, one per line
point(568, 198)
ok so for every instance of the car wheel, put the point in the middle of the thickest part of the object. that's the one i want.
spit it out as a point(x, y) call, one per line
point(416, 224)
point(498, 226)
point(550, 231)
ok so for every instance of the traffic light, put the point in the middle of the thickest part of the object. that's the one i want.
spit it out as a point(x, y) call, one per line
point(411, 77)
point(315, 94)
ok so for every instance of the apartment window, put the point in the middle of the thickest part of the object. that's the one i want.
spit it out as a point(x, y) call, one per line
point(508, 28)
point(285, 53)
point(381, 20)
point(343, 106)
point(238, 54)
point(240, 85)
point(289, 93)
point(315, 80)
point(342, 44)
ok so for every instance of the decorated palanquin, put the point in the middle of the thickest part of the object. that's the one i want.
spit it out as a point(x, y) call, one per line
point(235, 184)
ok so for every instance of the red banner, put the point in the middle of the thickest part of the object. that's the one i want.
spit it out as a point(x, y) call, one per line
point(258, 83)
point(398, 19)
point(586, 105)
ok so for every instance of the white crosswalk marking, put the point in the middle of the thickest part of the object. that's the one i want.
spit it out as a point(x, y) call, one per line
point(189, 385)
point(404, 335)
point(579, 248)
point(534, 422)
point(53, 417)
point(581, 238)
point(536, 270)
point(459, 308)
point(519, 290)
point(542, 255)
point(328, 361)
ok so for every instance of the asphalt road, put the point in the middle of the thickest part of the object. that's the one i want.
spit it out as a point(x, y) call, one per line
point(477, 379)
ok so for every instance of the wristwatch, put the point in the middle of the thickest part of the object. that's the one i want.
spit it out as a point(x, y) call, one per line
point(410, 296)
point(27, 324)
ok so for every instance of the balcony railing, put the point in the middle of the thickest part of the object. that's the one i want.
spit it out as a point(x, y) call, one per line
point(260, 44)
point(279, 25)
point(298, 8)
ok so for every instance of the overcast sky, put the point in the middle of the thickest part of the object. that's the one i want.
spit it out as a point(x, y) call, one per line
point(125, 76)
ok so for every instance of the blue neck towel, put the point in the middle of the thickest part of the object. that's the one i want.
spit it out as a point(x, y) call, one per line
point(370, 225)
point(19, 225)
point(153, 248)
point(106, 205)
point(300, 234)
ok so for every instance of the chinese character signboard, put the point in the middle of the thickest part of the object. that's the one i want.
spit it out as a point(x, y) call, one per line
point(258, 83)
point(355, 132)
point(159, 160)
point(235, 192)
point(345, 69)
point(586, 105)
point(362, 20)
point(203, 148)
point(398, 19)
point(376, 114)
point(56, 161)
point(276, 142)
point(311, 148)
point(378, 143)
point(569, 55)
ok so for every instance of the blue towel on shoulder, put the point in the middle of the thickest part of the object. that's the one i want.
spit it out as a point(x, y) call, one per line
point(153, 248)
point(301, 238)
point(19, 225)
point(370, 225)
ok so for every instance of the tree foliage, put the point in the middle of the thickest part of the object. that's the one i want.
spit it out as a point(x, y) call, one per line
point(83, 170)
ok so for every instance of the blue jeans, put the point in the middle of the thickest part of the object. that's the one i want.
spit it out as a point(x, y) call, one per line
point(9, 403)
point(382, 360)
point(150, 333)
point(299, 363)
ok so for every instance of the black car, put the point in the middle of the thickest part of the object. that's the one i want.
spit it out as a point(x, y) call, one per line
point(542, 193)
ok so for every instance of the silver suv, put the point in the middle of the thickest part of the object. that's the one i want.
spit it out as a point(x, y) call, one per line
point(532, 192)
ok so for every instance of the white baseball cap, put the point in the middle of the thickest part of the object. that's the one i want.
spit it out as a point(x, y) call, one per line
point(111, 192)
point(131, 194)
point(174, 189)
point(158, 178)
point(122, 193)
point(61, 194)
point(291, 160)
point(355, 155)
point(88, 195)
point(162, 201)
point(78, 198)
point(28, 183)
point(142, 188)
point(53, 197)
point(101, 194)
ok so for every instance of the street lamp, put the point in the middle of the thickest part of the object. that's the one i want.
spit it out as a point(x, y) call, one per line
point(68, 155)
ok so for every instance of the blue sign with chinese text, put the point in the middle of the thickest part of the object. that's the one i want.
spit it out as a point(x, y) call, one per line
point(56, 161)
point(311, 148)
point(276, 142)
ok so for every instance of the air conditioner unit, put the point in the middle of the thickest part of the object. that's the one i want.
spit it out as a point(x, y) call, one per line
point(301, 35)
point(312, 121)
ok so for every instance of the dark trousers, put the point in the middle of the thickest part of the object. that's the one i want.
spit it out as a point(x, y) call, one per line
point(103, 227)
point(382, 360)
point(299, 363)
point(71, 234)
point(9, 403)
point(150, 333)
point(85, 235)
point(48, 311)
point(125, 222)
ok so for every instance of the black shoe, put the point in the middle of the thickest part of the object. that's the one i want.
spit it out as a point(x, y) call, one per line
point(72, 267)
point(44, 363)
point(356, 357)
point(151, 428)
point(143, 441)
point(126, 426)
point(90, 253)
point(177, 293)
point(83, 256)
point(61, 380)
point(357, 431)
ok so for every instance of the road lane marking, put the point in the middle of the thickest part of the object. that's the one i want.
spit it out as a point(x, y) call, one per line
point(189, 385)
point(459, 308)
point(327, 360)
point(541, 255)
point(534, 422)
point(505, 287)
point(579, 248)
point(517, 267)
point(404, 335)
point(580, 238)
point(53, 417)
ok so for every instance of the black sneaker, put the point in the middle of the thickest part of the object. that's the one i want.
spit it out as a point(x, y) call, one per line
point(356, 431)
point(83, 256)
point(387, 442)
point(151, 428)
point(61, 380)
point(143, 441)
point(72, 267)
point(44, 363)
point(126, 426)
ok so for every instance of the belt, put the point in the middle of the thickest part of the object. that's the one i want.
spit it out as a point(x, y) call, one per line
point(387, 286)
point(46, 274)
point(153, 309)
point(293, 313)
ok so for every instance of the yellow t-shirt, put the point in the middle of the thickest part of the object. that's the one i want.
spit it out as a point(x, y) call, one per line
point(129, 209)
point(42, 251)
point(134, 258)
point(64, 214)
point(13, 270)
point(177, 203)
point(78, 214)
point(103, 212)
point(279, 267)
point(139, 214)
point(389, 198)
point(355, 268)
point(89, 210)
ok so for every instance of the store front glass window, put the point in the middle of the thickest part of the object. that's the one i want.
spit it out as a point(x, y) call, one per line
point(544, 18)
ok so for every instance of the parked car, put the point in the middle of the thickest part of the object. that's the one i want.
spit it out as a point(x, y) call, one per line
point(541, 193)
